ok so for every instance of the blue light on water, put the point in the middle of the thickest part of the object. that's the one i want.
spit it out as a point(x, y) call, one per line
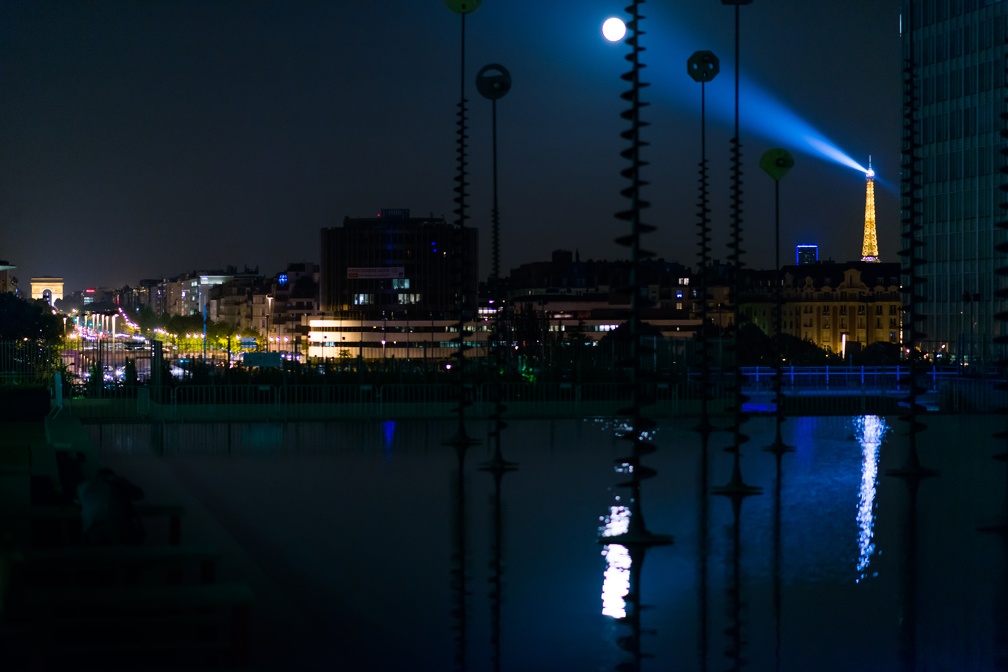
point(388, 427)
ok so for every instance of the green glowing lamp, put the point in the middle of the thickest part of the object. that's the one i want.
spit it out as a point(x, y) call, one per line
point(776, 163)
point(463, 6)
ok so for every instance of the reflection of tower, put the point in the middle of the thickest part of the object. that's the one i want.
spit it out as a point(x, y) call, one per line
point(869, 248)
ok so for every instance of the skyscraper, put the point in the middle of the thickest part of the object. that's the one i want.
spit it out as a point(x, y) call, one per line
point(954, 64)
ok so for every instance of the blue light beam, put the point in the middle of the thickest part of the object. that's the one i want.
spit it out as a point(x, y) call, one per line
point(761, 113)
point(769, 118)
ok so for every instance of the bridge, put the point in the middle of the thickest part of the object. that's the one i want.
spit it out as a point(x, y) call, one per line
point(887, 382)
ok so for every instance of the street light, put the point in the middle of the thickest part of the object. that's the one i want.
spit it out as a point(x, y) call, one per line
point(269, 312)
point(776, 163)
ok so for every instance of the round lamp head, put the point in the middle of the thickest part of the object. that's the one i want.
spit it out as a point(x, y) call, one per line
point(493, 81)
point(703, 66)
point(776, 163)
point(463, 6)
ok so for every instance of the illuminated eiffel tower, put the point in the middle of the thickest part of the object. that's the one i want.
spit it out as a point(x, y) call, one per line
point(869, 248)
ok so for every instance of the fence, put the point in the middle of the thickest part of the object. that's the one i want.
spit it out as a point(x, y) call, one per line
point(805, 390)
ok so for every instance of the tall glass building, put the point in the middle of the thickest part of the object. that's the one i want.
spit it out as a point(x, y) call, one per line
point(956, 51)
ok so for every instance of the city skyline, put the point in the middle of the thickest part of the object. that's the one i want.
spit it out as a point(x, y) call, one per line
point(148, 140)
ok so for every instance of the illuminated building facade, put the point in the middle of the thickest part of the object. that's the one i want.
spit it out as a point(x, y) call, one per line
point(395, 265)
point(958, 61)
point(833, 305)
point(295, 296)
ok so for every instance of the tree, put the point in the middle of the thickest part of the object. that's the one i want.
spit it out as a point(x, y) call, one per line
point(34, 321)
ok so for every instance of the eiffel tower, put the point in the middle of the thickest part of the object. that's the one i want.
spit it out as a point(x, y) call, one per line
point(869, 248)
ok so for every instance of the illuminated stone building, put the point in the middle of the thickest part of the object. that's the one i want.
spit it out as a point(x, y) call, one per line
point(833, 305)
point(47, 288)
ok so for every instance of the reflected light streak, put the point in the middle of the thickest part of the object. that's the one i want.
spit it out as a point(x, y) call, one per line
point(616, 579)
point(870, 429)
point(388, 428)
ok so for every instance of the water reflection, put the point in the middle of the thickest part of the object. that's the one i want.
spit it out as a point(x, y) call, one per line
point(616, 584)
point(621, 585)
point(870, 430)
point(459, 560)
point(626, 539)
point(428, 561)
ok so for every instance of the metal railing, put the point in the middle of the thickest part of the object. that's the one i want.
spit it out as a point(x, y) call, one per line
point(806, 390)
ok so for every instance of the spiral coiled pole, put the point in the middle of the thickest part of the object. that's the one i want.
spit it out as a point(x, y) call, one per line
point(912, 253)
point(461, 440)
point(638, 427)
point(736, 486)
point(703, 66)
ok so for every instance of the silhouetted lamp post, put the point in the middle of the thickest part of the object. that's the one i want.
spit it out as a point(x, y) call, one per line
point(493, 82)
point(776, 163)
point(703, 66)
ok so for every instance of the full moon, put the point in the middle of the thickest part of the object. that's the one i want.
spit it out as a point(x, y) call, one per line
point(613, 29)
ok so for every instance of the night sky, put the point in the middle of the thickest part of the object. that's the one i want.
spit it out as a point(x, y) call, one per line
point(145, 139)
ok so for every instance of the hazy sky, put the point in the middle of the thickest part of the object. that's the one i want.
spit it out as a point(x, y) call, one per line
point(145, 139)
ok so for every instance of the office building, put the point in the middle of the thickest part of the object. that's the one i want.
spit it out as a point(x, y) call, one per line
point(806, 254)
point(956, 50)
point(397, 266)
